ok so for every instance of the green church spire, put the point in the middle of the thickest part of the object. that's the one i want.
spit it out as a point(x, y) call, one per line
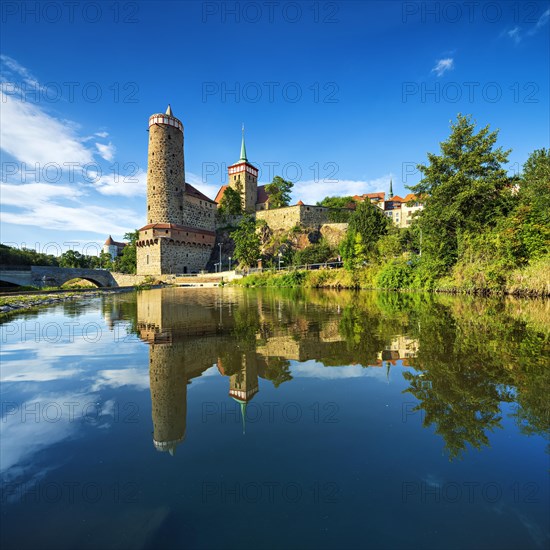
point(243, 150)
point(391, 189)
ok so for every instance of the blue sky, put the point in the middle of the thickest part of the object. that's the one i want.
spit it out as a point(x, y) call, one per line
point(338, 96)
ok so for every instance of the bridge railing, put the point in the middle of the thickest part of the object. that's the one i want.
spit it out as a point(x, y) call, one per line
point(324, 265)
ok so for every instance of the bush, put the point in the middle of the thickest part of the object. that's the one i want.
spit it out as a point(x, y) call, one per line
point(394, 275)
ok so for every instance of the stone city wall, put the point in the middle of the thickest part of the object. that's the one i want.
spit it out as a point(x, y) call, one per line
point(287, 217)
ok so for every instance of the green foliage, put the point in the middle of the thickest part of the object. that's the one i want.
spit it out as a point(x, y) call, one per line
point(315, 254)
point(279, 191)
point(127, 261)
point(25, 256)
point(72, 258)
point(466, 188)
point(395, 275)
point(340, 211)
point(247, 243)
point(231, 203)
point(366, 226)
point(335, 202)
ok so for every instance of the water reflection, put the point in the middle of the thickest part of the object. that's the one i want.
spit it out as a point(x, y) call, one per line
point(458, 369)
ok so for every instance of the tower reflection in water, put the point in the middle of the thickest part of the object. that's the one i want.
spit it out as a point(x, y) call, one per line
point(247, 339)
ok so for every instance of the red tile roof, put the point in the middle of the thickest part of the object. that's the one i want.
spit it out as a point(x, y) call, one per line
point(219, 196)
point(178, 227)
point(110, 242)
point(263, 195)
point(299, 203)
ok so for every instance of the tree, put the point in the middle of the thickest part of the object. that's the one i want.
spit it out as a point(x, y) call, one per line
point(247, 242)
point(370, 223)
point(340, 211)
point(127, 262)
point(336, 202)
point(231, 203)
point(72, 258)
point(279, 192)
point(465, 188)
point(317, 253)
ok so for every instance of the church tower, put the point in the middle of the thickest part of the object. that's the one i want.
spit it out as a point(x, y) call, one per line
point(243, 177)
point(179, 233)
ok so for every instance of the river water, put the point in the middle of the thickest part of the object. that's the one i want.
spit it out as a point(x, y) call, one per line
point(230, 418)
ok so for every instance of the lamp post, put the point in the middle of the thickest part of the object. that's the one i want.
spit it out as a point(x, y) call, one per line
point(280, 256)
point(220, 245)
point(229, 263)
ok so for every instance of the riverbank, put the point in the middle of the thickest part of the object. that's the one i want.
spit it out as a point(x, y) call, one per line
point(530, 281)
point(30, 300)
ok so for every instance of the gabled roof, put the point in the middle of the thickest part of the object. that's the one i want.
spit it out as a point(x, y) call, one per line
point(194, 192)
point(178, 227)
point(263, 195)
point(299, 203)
point(219, 196)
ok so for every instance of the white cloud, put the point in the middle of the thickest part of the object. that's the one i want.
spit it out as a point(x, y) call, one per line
point(25, 194)
point(312, 191)
point(106, 151)
point(37, 208)
point(13, 66)
point(515, 34)
point(32, 136)
point(123, 185)
point(115, 378)
point(443, 65)
point(102, 134)
point(313, 369)
point(543, 20)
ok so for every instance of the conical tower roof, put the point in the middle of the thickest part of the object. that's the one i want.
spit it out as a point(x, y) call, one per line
point(243, 149)
point(169, 110)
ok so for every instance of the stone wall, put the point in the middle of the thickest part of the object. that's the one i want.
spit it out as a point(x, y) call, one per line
point(280, 218)
point(165, 174)
point(334, 233)
point(164, 256)
point(287, 217)
point(198, 213)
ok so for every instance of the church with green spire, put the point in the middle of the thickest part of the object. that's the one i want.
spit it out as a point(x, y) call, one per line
point(243, 177)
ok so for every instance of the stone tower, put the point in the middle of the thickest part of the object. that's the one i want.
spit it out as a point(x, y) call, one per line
point(165, 169)
point(179, 233)
point(243, 177)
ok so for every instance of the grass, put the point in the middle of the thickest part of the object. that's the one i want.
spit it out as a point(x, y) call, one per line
point(472, 278)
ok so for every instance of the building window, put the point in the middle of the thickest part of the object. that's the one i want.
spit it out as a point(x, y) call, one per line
point(147, 259)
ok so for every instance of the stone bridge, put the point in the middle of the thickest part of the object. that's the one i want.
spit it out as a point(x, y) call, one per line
point(55, 276)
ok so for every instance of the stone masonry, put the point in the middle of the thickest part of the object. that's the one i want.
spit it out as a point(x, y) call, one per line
point(179, 234)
